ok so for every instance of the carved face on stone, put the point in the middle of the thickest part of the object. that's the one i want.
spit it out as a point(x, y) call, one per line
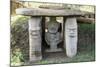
point(72, 32)
point(53, 27)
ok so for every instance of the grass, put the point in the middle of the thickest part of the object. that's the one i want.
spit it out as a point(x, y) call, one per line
point(84, 56)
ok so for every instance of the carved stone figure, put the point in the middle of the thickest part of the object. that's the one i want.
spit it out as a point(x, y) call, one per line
point(35, 39)
point(53, 37)
point(71, 37)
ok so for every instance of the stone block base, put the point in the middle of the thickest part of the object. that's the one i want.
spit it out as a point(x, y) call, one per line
point(54, 50)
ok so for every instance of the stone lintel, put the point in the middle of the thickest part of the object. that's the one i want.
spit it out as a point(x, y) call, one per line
point(47, 12)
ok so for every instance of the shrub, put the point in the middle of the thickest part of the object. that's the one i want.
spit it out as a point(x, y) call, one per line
point(19, 40)
point(86, 36)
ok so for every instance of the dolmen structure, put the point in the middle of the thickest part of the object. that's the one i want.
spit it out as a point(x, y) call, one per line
point(52, 36)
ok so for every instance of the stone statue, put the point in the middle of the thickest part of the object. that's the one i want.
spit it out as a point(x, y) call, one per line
point(71, 37)
point(52, 36)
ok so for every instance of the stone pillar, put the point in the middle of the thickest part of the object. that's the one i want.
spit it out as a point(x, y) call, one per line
point(35, 38)
point(71, 36)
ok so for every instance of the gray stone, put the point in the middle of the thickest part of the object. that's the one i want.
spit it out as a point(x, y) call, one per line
point(48, 12)
point(53, 37)
point(35, 38)
point(71, 36)
point(55, 7)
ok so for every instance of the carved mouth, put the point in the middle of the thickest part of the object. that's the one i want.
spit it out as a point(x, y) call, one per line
point(72, 36)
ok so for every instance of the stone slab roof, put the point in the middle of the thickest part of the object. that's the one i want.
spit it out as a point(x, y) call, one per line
point(48, 12)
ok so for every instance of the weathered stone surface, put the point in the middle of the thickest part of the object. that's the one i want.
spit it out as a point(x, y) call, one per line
point(47, 12)
point(35, 38)
point(53, 37)
point(71, 36)
point(52, 7)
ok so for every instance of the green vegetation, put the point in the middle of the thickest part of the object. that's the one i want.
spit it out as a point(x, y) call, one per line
point(19, 40)
point(20, 44)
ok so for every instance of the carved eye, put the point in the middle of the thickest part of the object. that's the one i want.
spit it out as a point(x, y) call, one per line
point(71, 30)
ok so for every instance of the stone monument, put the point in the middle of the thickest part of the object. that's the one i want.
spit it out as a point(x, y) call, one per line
point(52, 36)
point(71, 36)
